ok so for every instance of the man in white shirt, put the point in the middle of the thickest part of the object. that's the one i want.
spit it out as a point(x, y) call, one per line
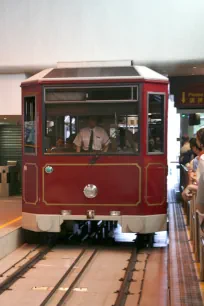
point(92, 138)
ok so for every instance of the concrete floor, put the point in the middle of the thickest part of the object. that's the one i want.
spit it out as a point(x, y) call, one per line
point(10, 209)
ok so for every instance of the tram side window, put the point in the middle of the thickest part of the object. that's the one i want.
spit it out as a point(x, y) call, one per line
point(29, 125)
point(155, 123)
point(115, 128)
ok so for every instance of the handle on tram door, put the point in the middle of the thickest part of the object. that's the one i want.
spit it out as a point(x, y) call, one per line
point(49, 169)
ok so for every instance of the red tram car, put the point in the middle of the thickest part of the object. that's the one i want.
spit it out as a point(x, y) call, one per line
point(118, 176)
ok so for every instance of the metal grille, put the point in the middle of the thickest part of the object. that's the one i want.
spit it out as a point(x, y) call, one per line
point(10, 143)
point(183, 282)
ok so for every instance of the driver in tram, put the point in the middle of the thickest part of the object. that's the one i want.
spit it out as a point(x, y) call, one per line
point(92, 138)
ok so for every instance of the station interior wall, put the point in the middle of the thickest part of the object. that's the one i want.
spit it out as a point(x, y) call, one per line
point(10, 93)
point(40, 33)
point(186, 129)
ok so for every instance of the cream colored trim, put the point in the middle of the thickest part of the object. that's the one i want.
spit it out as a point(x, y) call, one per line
point(95, 165)
point(130, 224)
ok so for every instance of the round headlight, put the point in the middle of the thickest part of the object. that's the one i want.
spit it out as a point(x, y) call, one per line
point(90, 191)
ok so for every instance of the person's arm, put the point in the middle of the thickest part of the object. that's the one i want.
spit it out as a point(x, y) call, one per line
point(78, 142)
point(106, 142)
point(200, 194)
point(78, 149)
point(105, 149)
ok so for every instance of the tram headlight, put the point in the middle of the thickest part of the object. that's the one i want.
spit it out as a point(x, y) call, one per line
point(66, 212)
point(90, 191)
point(115, 213)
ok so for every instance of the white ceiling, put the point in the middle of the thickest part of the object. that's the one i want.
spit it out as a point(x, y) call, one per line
point(166, 68)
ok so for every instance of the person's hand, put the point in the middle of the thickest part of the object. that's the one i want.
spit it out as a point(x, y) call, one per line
point(187, 195)
point(188, 192)
point(193, 187)
point(192, 177)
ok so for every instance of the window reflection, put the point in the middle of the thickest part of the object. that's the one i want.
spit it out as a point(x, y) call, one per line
point(156, 123)
point(29, 125)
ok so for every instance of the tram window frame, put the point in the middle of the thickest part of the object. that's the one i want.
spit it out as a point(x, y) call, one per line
point(163, 110)
point(29, 150)
point(137, 152)
point(81, 94)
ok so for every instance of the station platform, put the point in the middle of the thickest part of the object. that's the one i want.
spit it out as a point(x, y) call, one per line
point(185, 287)
point(10, 225)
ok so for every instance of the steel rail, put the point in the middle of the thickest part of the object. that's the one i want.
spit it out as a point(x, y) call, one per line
point(50, 295)
point(124, 289)
point(17, 262)
point(65, 296)
point(10, 280)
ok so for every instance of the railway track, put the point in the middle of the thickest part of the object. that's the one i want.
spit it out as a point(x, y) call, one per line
point(61, 292)
point(56, 294)
point(116, 265)
point(22, 269)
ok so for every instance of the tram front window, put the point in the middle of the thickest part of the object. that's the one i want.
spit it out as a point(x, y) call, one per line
point(109, 128)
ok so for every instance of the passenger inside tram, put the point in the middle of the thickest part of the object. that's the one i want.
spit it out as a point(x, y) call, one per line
point(127, 140)
point(114, 127)
point(71, 147)
point(92, 138)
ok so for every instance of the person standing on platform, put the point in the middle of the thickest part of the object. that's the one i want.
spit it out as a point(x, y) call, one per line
point(193, 165)
point(195, 181)
point(186, 155)
point(92, 138)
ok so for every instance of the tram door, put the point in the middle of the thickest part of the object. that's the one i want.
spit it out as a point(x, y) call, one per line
point(156, 158)
point(30, 148)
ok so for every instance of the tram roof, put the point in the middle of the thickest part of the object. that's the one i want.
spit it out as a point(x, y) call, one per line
point(96, 71)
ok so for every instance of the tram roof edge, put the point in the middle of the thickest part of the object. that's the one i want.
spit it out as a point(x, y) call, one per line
point(92, 64)
point(77, 71)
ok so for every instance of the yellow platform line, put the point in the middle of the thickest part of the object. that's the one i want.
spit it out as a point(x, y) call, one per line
point(10, 222)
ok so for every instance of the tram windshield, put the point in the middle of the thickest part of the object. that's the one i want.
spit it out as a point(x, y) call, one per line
point(86, 128)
